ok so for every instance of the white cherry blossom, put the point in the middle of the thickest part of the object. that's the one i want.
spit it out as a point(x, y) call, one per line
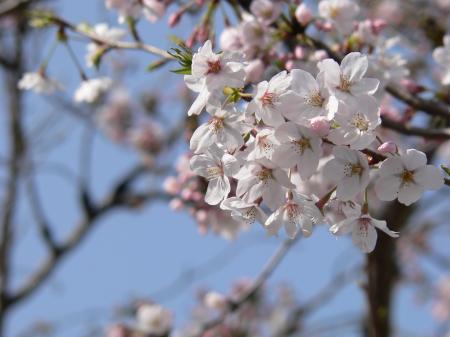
point(39, 83)
point(406, 177)
point(153, 319)
point(349, 169)
point(314, 98)
point(262, 179)
point(299, 146)
point(362, 227)
point(296, 214)
point(356, 122)
point(263, 144)
point(348, 78)
point(103, 31)
point(442, 57)
point(273, 99)
point(91, 90)
point(216, 166)
point(243, 211)
point(224, 127)
point(212, 72)
point(340, 13)
point(266, 10)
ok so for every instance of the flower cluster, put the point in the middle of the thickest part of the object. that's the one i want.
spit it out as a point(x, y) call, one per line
point(295, 128)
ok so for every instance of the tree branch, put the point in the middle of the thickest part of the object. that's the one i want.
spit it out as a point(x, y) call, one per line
point(234, 305)
point(405, 129)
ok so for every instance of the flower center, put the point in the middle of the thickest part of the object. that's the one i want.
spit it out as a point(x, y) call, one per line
point(315, 99)
point(293, 211)
point(265, 144)
point(353, 169)
point(265, 174)
point(268, 98)
point(360, 122)
point(345, 84)
point(334, 12)
point(250, 215)
point(407, 177)
point(301, 145)
point(214, 67)
point(213, 172)
point(216, 124)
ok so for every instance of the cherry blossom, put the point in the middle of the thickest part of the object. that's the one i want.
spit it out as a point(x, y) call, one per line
point(216, 166)
point(91, 90)
point(349, 169)
point(406, 177)
point(103, 31)
point(263, 145)
point(296, 214)
point(242, 211)
point(39, 83)
point(442, 57)
point(314, 98)
point(226, 127)
point(153, 319)
point(266, 10)
point(262, 179)
point(362, 227)
point(340, 13)
point(348, 78)
point(356, 122)
point(299, 146)
point(212, 72)
point(273, 99)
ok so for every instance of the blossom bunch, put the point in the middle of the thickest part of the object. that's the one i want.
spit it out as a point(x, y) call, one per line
point(270, 143)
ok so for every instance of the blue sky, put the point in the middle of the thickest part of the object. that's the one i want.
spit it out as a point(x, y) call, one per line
point(136, 254)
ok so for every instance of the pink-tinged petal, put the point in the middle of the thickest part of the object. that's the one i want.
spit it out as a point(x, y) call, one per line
point(333, 170)
point(332, 72)
point(365, 86)
point(365, 237)
point(391, 166)
point(199, 164)
point(413, 159)
point(354, 66)
point(342, 228)
point(245, 184)
point(290, 226)
point(274, 222)
point(283, 156)
point(303, 83)
point(287, 132)
point(409, 194)
point(386, 188)
point(194, 83)
point(429, 177)
point(217, 190)
point(230, 165)
point(382, 225)
point(199, 103)
point(201, 139)
point(348, 188)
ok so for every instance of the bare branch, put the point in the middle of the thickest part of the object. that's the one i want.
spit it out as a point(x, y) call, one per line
point(234, 305)
point(405, 129)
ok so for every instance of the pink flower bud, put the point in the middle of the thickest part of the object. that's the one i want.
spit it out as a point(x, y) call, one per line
point(303, 14)
point(171, 185)
point(186, 194)
point(299, 53)
point(254, 71)
point(378, 25)
point(174, 18)
point(201, 216)
point(176, 204)
point(289, 65)
point(388, 147)
point(412, 86)
point(320, 125)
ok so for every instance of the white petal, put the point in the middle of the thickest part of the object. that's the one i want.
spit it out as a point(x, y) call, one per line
point(414, 159)
point(382, 225)
point(386, 188)
point(199, 103)
point(218, 189)
point(410, 193)
point(429, 177)
point(354, 66)
point(274, 222)
point(365, 86)
point(391, 166)
point(342, 228)
point(365, 237)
